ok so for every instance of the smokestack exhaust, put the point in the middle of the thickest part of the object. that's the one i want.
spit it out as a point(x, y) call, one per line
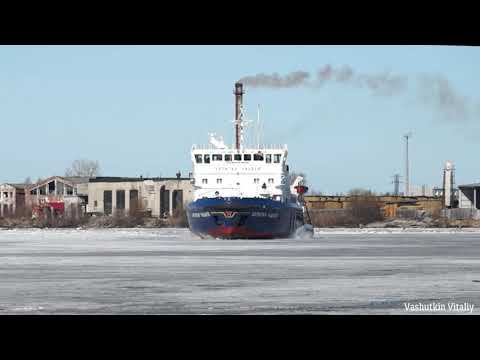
point(432, 90)
point(238, 92)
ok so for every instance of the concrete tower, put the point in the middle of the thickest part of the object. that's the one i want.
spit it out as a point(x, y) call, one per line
point(448, 182)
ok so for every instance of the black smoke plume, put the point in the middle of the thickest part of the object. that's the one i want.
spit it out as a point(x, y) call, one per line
point(433, 90)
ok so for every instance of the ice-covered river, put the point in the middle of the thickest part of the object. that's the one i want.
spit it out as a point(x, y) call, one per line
point(167, 271)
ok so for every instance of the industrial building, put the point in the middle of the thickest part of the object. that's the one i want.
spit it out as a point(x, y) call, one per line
point(58, 195)
point(469, 196)
point(159, 197)
point(12, 199)
point(468, 204)
point(391, 206)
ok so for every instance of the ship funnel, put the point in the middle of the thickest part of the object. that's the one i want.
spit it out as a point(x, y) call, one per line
point(238, 92)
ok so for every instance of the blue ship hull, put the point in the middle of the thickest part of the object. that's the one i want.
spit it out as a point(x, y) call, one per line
point(243, 218)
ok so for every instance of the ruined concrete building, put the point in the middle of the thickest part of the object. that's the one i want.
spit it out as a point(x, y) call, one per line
point(12, 199)
point(75, 196)
point(469, 196)
point(58, 195)
point(158, 197)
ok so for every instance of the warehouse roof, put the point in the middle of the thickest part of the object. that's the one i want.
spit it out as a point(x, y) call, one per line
point(77, 179)
point(69, 180)
point(132, 179)
point(17, 186)
point(471, 186)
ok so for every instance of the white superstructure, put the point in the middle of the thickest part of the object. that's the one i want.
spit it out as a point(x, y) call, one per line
point(236, 171)
point(249, 172)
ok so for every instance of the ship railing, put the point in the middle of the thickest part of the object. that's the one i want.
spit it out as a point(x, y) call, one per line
point(252, 147)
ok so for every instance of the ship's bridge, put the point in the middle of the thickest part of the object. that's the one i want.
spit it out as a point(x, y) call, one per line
point(248, 172)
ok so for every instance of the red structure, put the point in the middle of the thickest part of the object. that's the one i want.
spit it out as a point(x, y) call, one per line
point(44, 208)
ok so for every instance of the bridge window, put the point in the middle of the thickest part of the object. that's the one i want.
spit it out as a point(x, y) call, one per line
point(228, 157)
point(247, 157)
point(198, 158)
point(270, 181)
point(217, 157)
point(276, 158)
point(256, 181)
point(237, 157)
point(219, 181)
point(206, 158)
point(204, 181)
point(258, 157)
point(268, 158)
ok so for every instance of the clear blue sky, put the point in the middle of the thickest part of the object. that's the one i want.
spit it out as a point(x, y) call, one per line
point(138, 110)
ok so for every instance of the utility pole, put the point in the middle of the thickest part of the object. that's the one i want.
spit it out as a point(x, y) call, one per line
point(407, 175)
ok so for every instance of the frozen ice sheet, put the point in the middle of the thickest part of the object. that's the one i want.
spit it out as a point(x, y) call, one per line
point(168, 271)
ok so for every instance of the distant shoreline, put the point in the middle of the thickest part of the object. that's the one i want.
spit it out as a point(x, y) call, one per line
point(331, 230)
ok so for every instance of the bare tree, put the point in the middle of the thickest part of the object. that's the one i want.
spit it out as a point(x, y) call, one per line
point(84, 167)
point(27, 180)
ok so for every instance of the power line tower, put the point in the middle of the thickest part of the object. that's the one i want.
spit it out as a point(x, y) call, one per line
point(396, 184)
point(407, 172)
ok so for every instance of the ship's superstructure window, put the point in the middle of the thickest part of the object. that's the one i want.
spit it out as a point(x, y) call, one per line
point(276, 158)
point(237, 157)
point(219, 181)
point(247, 157)
point(206, 158)
point(204, 181)
point(256, 181)
point(268, 158)
point(228, 157)
point(217, 157)
point(198, 158)
point(258, 157)
point(270, 181)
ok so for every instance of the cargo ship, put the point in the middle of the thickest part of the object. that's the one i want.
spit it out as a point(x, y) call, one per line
point(245, 192)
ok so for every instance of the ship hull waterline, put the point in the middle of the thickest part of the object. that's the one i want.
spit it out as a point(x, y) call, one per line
point(243, 218)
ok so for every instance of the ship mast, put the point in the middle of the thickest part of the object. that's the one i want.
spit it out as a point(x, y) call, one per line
point(238, 92)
